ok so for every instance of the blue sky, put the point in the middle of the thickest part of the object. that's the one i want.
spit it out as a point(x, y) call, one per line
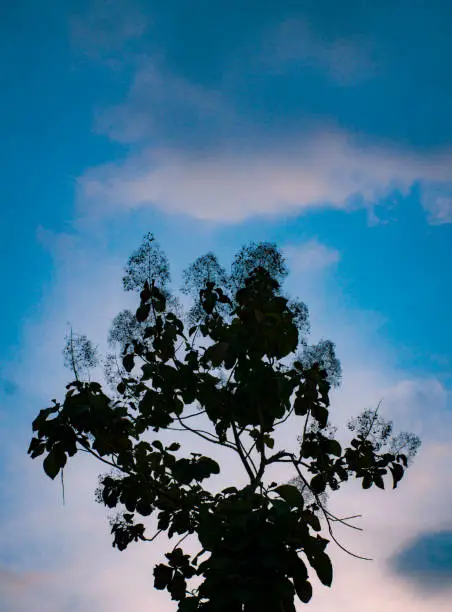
point(325, 128)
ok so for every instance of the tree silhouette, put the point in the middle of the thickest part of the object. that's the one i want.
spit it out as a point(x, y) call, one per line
point(230, 376)
point(147, 263)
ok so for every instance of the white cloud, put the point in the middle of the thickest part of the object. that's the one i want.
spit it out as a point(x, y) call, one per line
point(205, 158)
point(437, 201)
point(327, 170)
point(311, 256)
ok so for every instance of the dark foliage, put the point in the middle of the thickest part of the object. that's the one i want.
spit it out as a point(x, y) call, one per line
point(236, 369)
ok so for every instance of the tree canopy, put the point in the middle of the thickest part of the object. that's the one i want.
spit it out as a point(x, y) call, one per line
point(230, 372)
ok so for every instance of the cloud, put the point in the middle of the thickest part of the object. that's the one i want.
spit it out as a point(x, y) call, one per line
point(437, 201)
point(164, 103)
point(311, 256)
point(409, 398)
point(163, 106)
point(228, 123)
point(426, 561)
point(328, 170)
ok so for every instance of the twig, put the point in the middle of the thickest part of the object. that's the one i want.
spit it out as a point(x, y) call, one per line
point(190, 416)
point(184, 537)
point(153, 537)
point(343, 521)
point(330, 530)
point(285, 418)
point(204, 434)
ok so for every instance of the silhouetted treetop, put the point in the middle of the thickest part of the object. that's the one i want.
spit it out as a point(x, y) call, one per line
point(229, 374)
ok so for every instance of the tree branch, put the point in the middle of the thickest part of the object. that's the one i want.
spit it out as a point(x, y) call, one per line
point(327, 518)
point(241, 453)
point(153, 537)
point(203, 434)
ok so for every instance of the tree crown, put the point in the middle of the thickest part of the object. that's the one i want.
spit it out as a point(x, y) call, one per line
point(231, 375)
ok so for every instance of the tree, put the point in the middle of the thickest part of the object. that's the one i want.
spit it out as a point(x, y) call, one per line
point(232, 378)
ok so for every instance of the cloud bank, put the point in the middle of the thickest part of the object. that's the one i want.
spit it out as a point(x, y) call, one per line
point(272, 112)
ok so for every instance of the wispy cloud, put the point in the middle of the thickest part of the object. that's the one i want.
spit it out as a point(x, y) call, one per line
point(345, 60)
point(311, 256)
point(437, 201)
point(103, 30)
point(160, 106)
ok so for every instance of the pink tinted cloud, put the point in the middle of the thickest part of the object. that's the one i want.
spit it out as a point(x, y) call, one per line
point(328, 170)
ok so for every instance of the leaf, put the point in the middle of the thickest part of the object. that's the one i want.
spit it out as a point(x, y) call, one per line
point(367, 482)
point(42, 417)
point(403, 459)
point(206, 466)
point(52, 464)
point(312, 520)
point(269, 441)
point(323, 567)
point(320, 414)
point(303, 589)
point(128, 362)
point(334, 448)
point(174, 446)
point(397, 474)
point(318, 484)
point(177, 587)
point(143, 313)
point(378, 480)
point(291, 495)
point(145, 295)
point(301, 405)
point(36, 448)
point(162, 576)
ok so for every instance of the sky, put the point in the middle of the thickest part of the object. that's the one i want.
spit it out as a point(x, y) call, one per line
point(323, 127)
